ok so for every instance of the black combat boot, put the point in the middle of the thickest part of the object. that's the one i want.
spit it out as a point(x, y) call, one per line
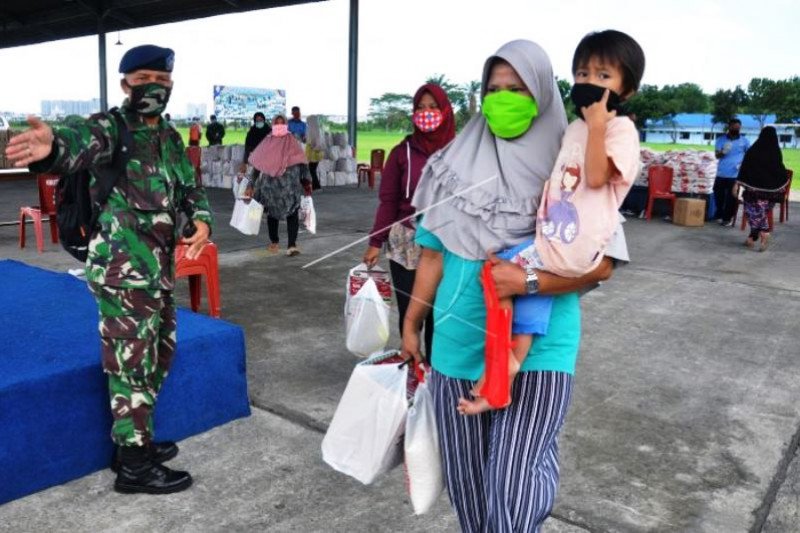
point(138, 472)
point(160, 452)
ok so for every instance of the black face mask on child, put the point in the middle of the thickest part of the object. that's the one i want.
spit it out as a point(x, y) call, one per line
point(585, 94)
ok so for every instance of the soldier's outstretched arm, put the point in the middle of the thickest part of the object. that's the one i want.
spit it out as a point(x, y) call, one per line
point(34, 144)
point(79, 144)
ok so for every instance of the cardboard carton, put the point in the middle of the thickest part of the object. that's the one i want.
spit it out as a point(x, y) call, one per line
point(689, 212)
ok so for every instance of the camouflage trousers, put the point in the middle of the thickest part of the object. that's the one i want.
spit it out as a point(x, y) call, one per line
point(137, 333)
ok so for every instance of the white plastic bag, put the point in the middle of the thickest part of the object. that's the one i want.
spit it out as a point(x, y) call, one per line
point(367, 321)
point(247, 216)
point(308, 215)
point(365, 437)
point(422, 456)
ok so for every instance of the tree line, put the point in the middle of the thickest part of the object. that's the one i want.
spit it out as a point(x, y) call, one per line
point(654, 104)
point(392, 111)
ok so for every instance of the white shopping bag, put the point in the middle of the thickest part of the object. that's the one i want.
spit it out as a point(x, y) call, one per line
point(247, 216)
point(367, 321)
point(308, 215)
point(365, 437)
point(422, 456)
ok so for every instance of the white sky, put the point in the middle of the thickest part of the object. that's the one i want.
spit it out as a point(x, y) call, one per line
point(303, 49)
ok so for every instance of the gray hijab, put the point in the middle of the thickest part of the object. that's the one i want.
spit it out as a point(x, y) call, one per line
point(501, 212)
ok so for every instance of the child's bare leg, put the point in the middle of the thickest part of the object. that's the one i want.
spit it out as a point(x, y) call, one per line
point(521, 346)
point(516, 357)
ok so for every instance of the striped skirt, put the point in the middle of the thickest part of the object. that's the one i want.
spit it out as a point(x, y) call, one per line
point(501, 467)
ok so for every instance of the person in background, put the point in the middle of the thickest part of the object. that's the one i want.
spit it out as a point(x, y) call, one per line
point(258, 131)
point(215, 132)
point(195, 132)
point(169, 120)
point(394, 227)
point(296, 126)
point(764, 180)
point(729, 149)
point(315, 148)
point(280, 177)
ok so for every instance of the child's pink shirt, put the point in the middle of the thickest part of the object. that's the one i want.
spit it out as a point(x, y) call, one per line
point(575, 222)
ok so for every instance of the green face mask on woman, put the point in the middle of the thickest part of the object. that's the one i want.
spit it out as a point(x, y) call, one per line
point(509, 114)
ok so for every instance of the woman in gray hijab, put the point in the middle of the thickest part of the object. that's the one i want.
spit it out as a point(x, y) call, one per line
point(480, 195)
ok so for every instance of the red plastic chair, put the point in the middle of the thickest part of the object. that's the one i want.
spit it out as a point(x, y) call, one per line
point(367, 172)
point(47, 206)
point(194, 154)
point(659, 178)
point(206, 264)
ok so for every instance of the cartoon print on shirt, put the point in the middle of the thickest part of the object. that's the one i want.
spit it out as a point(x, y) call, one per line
point(561, 220)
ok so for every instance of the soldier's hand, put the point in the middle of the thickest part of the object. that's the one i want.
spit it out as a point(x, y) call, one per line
point(34, 144)
point(198, 240)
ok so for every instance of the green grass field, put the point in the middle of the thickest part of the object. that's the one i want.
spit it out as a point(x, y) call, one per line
point(367, 140)
point(370, 140)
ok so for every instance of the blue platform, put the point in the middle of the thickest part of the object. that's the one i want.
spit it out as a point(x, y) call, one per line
point(54, 409)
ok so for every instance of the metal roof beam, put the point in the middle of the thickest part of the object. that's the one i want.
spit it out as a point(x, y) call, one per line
point(17, 22)
point(91, 8)
point(23, 22)
point(50, 17)
point(120, 16)
point(6, 16)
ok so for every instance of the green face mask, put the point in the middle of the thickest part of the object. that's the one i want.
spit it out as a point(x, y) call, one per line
point(509, 114)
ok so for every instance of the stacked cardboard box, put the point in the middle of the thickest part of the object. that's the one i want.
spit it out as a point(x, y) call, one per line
point(337, 166)
point(219, 165)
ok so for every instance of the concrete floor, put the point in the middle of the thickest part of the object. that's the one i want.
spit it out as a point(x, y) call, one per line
point(684, 416)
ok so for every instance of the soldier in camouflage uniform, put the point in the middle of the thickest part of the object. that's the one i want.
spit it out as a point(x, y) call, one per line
point(130, 266)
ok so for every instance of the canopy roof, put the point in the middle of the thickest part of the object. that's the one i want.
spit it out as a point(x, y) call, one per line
point(25, 22)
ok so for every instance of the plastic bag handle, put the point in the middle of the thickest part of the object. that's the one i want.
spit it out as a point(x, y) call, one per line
point(420, 369)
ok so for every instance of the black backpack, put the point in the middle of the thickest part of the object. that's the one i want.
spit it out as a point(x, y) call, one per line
point(76, 212)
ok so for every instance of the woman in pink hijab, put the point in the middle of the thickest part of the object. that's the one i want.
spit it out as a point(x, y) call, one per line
point(280, 178)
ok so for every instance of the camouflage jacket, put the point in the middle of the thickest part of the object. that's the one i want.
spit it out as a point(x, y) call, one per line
point(133, 247)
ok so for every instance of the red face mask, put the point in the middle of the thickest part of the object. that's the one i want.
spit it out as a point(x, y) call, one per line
point(428, 120)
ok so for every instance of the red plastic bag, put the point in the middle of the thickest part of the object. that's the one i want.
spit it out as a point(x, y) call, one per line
point(496, 386)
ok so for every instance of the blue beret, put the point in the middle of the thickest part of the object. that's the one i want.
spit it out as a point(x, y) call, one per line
point(149, 57)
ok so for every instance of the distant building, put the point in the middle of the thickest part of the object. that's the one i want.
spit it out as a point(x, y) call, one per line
point(696, 128)
point(61, 108)
point(196, 110)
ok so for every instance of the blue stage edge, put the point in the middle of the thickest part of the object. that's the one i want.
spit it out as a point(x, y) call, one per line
point(54, 408)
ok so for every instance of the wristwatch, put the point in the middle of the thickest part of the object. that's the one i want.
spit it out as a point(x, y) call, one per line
point(531, 282)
